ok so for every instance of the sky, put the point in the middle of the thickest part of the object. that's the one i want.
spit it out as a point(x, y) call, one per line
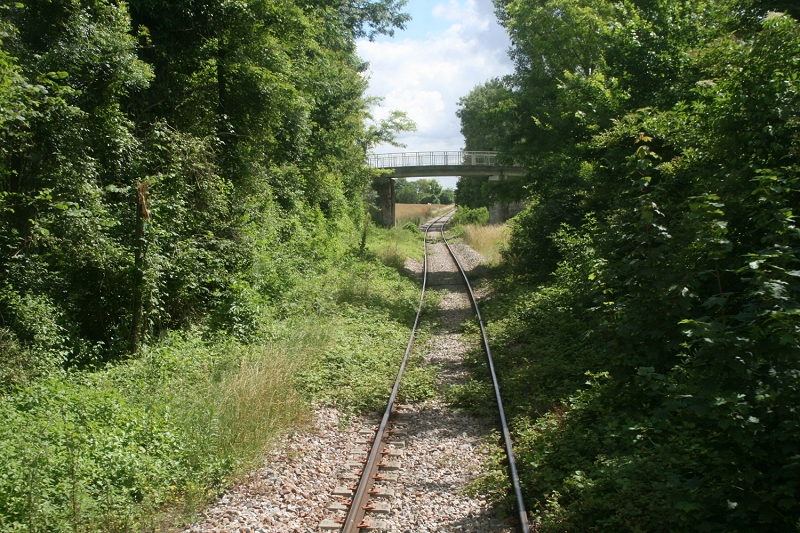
point(447, 48)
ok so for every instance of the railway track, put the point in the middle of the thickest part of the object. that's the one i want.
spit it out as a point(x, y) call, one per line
point(374, 462)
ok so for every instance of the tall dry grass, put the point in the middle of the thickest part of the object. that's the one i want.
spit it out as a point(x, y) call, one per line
point(487, 240)
point(257, 401)
point(418, 213)
point(258, 398)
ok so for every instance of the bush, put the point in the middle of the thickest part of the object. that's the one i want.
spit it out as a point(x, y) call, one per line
point(413, 228)
point(105, 450)
point(464, 215)
point(650, 364)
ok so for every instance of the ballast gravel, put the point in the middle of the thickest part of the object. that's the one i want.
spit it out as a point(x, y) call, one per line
point(290, 492)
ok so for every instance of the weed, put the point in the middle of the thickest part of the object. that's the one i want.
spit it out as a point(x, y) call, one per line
point(465, 215)
point(393, 246)
point(489, 241)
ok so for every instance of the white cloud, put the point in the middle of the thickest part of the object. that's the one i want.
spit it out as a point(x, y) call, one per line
point(426, 77)
point(467, 14)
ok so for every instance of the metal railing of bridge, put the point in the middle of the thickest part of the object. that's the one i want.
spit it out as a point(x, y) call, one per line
point(426, 159)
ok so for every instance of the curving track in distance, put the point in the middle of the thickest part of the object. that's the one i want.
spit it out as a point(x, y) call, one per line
point(359, 505)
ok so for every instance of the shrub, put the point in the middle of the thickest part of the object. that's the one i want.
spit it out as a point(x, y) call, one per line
point(464, 215)
point(413, 228)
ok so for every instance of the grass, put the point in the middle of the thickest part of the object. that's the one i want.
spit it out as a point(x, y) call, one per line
point(357, 373)
point(117, 449)
point(148, 441)
point(418, 213)
point(488, 241)
point(393, 246)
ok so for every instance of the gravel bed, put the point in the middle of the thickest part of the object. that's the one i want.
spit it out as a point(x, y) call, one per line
point(289, 493)
point(469, 258)
point(442, 453)
point(443, 447)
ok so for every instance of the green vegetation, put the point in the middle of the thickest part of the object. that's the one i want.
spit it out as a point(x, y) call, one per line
point(485, 121)
point(464, 215)
point(422, 191)
point(153, 178)
point(106, 450)
point(395, 245)
point(123, 448)
point(647, 330)
point(182, 199)
point(473, 192)
point(489, 241)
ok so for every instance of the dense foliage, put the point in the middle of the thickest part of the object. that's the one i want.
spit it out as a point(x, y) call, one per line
point(464, 215)
point(484, 123)
point(473, 192)
point(182, 204)
point(164, 163)
point(422, 191)
point(649, 329)
point(147, 442)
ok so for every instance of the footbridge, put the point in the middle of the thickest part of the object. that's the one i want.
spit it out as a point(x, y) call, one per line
point(433, 164)
point(430, 165)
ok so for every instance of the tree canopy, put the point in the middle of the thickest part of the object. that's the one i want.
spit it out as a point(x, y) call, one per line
point(149, 147)
point(421, 191)
point(653, 354)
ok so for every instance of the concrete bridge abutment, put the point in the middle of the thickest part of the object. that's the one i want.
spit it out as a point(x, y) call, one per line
point(383, 212)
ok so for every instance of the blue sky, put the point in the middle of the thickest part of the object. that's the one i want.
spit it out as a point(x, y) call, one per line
point(424, 23)
point(448, 47)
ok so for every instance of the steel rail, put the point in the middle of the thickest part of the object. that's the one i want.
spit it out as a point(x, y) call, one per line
point(355, 514)
point(512, 464)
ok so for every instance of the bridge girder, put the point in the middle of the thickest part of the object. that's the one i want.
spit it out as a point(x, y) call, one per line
point(431, 171)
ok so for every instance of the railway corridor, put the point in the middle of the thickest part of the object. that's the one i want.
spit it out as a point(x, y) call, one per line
point(295, 491)
point(443, 445)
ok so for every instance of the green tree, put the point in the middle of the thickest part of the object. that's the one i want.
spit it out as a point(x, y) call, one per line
point(419, 191)
point(220, 123)
point(472, 192)
point(487, 116)
point(405, 191)
point(429, 191)
point(658, 246)
point(66, 162)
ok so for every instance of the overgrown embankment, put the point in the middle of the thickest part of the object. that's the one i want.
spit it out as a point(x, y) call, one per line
point(146, 441)
point(647, 326)
point(182, 194)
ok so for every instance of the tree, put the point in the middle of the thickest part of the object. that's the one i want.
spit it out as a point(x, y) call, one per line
point(487, 116)
point(368, 18)
point(219, 123)
point(470, 192)
point(67, 162)
point(662, 156)
point(385, 131)
point(420, 191)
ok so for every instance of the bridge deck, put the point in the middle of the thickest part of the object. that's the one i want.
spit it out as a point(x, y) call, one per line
point(423, 171)
point(432, 164)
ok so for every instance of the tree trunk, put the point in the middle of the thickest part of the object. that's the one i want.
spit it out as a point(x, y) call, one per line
point(142, 217)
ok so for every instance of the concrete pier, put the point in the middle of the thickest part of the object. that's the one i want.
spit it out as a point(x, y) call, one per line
point(383, 213)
